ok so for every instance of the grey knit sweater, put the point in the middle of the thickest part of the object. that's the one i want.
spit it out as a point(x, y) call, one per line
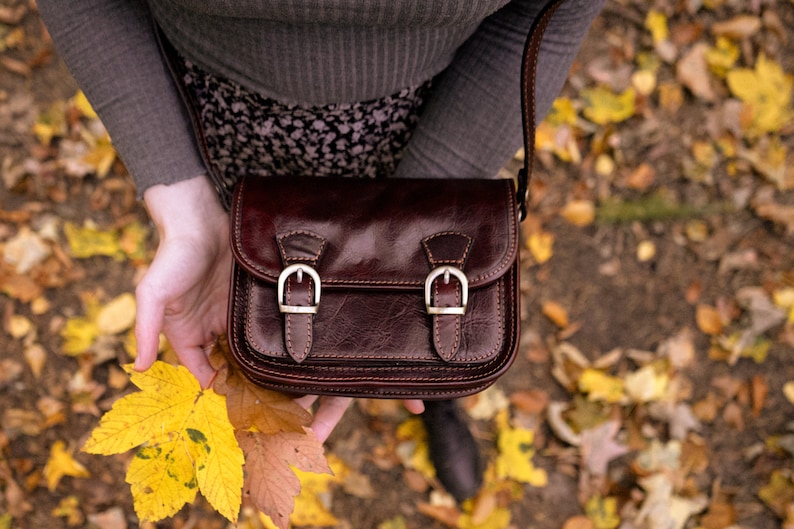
point(315, 52)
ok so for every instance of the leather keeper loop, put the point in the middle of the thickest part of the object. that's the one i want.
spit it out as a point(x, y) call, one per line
point(299, 291)
point(446, 250)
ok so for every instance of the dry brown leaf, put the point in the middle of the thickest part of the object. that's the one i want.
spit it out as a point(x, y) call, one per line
point(719, 516)
point(777, 213)
point(759, 390)
point(359, 485)
point(556, 313)
point(484, 505)
point(579, 212)
point(18, 286)
point(249, 405)
point(15, 66)
point(113, 518)
point(443, 513)
point(692, 71)
point(415, 480)
point(15, 496)
point(270, 481)
point(52, 409)
point(642, 177)
point(578, 522)
point(12, 16)
point(695, 456)
point(679, 349)
point(530, 401)
point(694, 291)
point(732, 415)
point(706, 410)
point(36, 357)
point(739, 27)
point(709, 320)
point(18, 421)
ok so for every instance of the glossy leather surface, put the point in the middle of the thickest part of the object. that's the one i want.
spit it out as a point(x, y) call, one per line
point(372, 335)
point(374, 229)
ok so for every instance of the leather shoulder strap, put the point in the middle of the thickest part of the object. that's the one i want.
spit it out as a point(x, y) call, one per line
point(529, 72)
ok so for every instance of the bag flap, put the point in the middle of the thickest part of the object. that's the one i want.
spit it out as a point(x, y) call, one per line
point(382, 232)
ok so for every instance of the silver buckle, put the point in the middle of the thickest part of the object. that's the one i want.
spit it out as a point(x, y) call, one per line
point(298, 269)
point(446, 271)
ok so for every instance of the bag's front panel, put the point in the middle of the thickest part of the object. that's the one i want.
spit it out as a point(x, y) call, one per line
point(383, 378)
point(378, 327)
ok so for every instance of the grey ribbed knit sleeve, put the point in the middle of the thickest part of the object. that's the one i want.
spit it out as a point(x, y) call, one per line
point(110, 48)
point(472, 124)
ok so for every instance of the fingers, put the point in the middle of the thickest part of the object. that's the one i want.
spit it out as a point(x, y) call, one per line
point(414, 405)
point(148, 324)
point(328, 414)
point(306, 401)
point(331, 410)
point(196, 361)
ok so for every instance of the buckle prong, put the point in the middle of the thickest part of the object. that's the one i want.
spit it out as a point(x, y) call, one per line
point(298, 270)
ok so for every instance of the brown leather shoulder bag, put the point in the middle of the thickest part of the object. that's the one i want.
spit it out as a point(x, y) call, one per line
point(392, 288)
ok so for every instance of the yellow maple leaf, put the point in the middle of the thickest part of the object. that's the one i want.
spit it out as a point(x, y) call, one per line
point(603, 106)
point(722, 56)
point(771, 159)
point(51, 123)
point(562, 112)
point(413, 449)
point(656, 23)
point(78, 336)
point(600, 386)
point(778, 494)
point(101, 157)
point(556, 132)
point(132, 241)
point(80, 101)
point(69, 508)
point(117, 316)
point(515, 457)
point(89, 241)
point(541, 245)
point(784, 298)
point(766, 90)
point(499, 518)
point(60, 464)
point(309, 506)
point(186, 441)
point(602, 512)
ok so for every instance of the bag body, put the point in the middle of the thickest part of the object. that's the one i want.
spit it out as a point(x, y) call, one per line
point(393, 288)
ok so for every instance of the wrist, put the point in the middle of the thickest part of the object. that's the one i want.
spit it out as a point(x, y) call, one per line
point(185, 208)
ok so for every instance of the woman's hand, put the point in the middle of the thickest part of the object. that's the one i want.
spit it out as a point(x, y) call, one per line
point(185, 292)
point(331, 409)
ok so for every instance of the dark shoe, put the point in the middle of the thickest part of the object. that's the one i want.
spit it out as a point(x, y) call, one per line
point(453, 449)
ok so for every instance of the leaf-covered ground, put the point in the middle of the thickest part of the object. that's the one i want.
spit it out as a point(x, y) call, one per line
point(655, 382)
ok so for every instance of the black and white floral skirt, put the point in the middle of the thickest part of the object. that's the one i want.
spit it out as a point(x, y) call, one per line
point(248, 133)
